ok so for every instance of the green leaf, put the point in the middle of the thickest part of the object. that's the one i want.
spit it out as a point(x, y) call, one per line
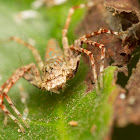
point(50, 114)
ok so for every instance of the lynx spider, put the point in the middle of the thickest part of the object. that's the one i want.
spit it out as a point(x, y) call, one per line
point(57, 67)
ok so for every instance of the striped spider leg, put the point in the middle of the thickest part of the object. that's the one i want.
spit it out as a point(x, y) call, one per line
point(77, 46)
point(57, 68)
point(6, 87)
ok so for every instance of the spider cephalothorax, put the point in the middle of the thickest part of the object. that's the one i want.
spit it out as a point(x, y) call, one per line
point(56, 71)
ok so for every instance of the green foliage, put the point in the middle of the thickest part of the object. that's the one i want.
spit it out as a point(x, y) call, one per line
point(50, 114)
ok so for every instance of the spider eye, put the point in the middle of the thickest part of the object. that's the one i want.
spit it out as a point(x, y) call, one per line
point(46, 71)
point(51, 68)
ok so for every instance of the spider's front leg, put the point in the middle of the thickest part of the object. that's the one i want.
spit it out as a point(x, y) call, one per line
point(30, 47)
point(103, 50)
point(4, 89)
point(88, 53)
point(85, 39)
point(65, 43)
point(68, 50)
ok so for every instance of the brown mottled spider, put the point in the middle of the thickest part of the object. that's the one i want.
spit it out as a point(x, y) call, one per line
point(58, 67)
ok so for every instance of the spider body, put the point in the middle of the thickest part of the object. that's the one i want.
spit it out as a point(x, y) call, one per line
point(56, 71)
point(58, 66)
point(55, 75)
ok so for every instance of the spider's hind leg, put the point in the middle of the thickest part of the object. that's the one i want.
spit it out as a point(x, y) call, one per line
point(4, 89)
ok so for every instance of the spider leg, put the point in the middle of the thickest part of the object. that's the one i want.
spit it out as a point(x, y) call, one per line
point(88, 53)
point(67, 51)
point(14, 108)
point(4, 85)
point(71, 11)
point(33, 76)
point(33, 50)
point(11, 116)
point(20, 72)
point(101, 46)
point(102, 31)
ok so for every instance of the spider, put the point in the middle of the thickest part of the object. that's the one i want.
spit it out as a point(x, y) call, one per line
point(58, 66)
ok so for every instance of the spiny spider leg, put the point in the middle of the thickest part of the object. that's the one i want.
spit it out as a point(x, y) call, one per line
point(14, 108)
point(13, 79)
point(34, 51)
point(4, 85)
point(71, 11)
point(88, 53)
point(101, 46)
point(11, 116)
point(2, 106)
point(101, 31)
point(30, 77)
point(67, 51)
